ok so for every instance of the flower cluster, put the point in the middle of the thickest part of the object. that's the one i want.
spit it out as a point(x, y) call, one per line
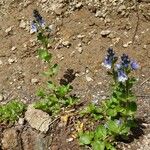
point(38, 22)
point(110, 59)
point(122, 67)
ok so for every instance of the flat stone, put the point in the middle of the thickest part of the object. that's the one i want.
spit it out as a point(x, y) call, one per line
point(38, 119)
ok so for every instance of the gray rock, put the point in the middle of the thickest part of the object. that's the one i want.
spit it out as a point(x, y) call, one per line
point(38, 119)
point(11, 140)
point(32, 140)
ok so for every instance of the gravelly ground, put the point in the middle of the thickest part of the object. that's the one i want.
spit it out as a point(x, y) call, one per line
point(80, 23)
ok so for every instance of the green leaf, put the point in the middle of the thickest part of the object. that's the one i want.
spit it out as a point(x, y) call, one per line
point(62, 90)
point(40, 93)
point(51, 85)
point(98, 145)
point(131, 124)
point(109, 146)
point(86, 138)
point(43, 39)
point(100, 132)
point(44, 55)
point(113, 127)
point(132, 106)
point(112, 112)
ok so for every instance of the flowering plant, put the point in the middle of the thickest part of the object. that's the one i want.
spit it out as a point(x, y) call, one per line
point(118, 112)
point(57, 96)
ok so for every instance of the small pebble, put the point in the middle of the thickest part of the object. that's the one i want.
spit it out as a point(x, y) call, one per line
point(79, 49)
point(22, 24)
point(8, 30)
point(21, 121)
point(34, 81)
point(79, 5)
point(66, 43)
point(69, 140)
point(13, 48)
point(11, 60)
point(105, 32)
point(88, 78)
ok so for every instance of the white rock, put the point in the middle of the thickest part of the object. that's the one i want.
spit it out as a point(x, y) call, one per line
point(12, 60)
point(125, 45)
point(79, 49)
point(38, 119)
point(80, 36)
point(98, 14)
point(13, 48)
point(66, 43)
point(88, 78)
point(8, 30)
point(69, 140)
point(34, 81)
point(22, 24)
point(21, 121)
point(79, 5)
point(105, 32)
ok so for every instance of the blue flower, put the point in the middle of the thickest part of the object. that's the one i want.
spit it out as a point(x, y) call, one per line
point(122, 77)
point(134, 65)
point(38, 18)
point(125, 61)
point(119, 122)
point(33, 27)
point(109, 59)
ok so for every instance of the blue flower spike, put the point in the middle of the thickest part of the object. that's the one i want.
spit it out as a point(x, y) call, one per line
point(38, 22)
point(33, 27)
point(109, 59)
point(38, 18)
point(125, 61)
